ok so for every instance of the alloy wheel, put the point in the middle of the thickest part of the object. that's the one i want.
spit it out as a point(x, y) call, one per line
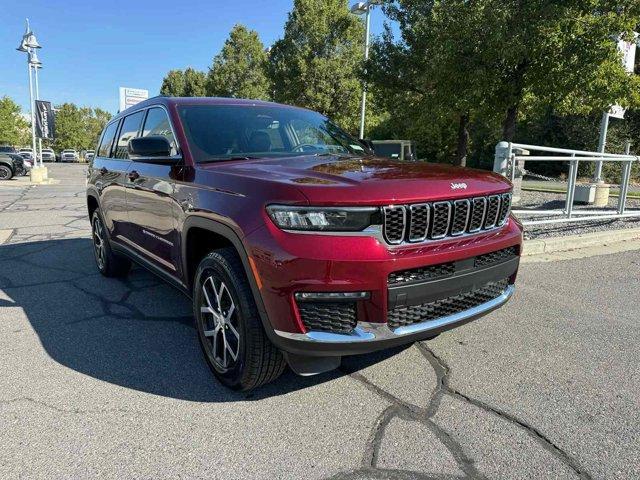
point(219, 319)
point(98, 243)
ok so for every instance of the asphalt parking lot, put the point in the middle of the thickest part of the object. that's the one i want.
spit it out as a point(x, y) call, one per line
point(104, 378)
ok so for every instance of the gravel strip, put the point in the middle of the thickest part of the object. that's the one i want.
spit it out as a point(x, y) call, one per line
point(556, 201)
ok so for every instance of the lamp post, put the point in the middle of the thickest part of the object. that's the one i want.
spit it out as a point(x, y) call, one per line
point(28, 45)
point(364, 8)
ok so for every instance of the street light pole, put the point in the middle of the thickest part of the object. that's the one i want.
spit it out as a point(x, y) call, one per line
point(363, 105)
point(604, 126)
point(33, 117)
point(28, 45)
point(361, 8)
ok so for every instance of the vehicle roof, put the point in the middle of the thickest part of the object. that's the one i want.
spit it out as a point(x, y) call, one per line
point(167, 101)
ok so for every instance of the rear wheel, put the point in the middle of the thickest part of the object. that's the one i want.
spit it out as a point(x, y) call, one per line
point(109, 263)
point(230, 332)
point(5, 173)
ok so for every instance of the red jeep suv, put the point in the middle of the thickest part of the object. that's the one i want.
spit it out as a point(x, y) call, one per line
point(296, 244)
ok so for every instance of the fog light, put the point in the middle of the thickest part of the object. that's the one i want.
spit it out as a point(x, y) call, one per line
point(347, 296)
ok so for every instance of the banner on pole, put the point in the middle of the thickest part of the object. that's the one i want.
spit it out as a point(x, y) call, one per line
point(45, 120)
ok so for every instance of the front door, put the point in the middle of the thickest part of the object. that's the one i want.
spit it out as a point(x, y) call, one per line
point(151, 201)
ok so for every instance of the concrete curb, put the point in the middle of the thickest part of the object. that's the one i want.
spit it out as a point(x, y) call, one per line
point(574, 242)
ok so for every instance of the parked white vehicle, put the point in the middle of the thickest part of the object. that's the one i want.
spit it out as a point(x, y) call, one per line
point(89, 155)
point(69, 155)
point(26, 153)
point(48, 155)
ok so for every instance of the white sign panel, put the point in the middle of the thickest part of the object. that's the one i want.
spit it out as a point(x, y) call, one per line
point(628, 51)
point(131, 96)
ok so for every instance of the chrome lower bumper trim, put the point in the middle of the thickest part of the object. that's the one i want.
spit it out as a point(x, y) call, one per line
point(371, 332)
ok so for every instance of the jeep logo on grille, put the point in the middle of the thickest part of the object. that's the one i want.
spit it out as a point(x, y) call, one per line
point(459, 186)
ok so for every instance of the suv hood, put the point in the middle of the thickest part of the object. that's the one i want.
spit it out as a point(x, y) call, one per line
point(371, 180)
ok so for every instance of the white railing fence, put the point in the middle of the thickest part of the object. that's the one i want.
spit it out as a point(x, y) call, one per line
point(511, 156)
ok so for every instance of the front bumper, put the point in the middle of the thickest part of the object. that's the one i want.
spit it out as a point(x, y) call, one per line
point(287, 263)
point(369, 337)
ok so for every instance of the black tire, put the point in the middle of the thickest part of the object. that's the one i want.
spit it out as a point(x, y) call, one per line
point(257, 360)
point(108, 262)
point(5, 172)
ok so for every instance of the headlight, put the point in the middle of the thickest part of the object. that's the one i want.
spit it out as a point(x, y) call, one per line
point(333, 219)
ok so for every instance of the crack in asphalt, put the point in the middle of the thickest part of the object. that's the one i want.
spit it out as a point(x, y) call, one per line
point(409, 412)
point(443, 371)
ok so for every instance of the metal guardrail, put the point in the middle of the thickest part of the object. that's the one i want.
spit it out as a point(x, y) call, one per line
point(508, 156)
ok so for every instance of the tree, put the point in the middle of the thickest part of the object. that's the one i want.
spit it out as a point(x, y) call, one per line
point(238, 71)
point(194, 83)
point(13, 127)
point(562, 54)
point(316, 63)
point(190, 83)
point(79, 127)
point(173, 84)
point(469, 64)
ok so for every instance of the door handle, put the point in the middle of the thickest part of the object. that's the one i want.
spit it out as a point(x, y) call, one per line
point(103, 171)
point(133, 176)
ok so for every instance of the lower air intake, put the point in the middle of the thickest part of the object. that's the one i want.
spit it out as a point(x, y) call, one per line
point(334, 317)
point(401, 317)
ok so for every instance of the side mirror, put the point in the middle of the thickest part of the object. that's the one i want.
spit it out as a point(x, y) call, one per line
point(154, 148)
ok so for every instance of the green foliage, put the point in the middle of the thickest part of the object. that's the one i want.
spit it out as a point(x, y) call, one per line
point(190, 83)
point(238, 71)
point(14, 129)
point(194, 83)
point(79, 127)
point(316, 63)
point(173, 84)
point(496, 61)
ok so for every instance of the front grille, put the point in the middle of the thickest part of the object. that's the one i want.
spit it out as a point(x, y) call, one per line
point(422, 273)
point(420, 215)
point(334, 317)
point(418, 222)
point(493, 209)
point(400, 317)
point(495, 257)
point(395, 220)
point(441, 219)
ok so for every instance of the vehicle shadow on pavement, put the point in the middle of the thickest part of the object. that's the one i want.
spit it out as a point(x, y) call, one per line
point(137, 332)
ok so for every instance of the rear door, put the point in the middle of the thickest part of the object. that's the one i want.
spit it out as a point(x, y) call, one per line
point(151, 202)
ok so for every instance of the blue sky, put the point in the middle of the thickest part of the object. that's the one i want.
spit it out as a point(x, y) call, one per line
point(91, 48)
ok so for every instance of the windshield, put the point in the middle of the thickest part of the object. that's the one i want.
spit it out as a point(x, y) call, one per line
point(224, 132)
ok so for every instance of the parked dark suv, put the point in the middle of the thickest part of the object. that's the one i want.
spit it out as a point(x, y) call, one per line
point(295, 243)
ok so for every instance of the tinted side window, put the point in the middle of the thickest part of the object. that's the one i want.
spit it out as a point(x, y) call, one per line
point(157, 123)
point(107, 139)
point(129, 130)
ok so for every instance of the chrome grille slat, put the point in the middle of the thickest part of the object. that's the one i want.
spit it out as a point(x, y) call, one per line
point(420, 214)
point(505, 206)
point(395, 223)
point(493, 209)
point(479, 208)
point(441, 220)
point(461, 211)
point(434, 221)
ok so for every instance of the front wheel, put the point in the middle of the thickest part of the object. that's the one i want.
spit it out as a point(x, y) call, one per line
point(230, 331)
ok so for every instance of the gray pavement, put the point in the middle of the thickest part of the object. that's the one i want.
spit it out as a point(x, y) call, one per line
point(104, 378)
